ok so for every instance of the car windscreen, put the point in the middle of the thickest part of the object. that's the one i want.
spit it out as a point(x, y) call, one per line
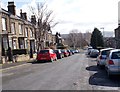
point(44, 51)
point(116, 55)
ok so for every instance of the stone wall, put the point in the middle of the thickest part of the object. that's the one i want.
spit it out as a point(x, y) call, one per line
point(18, 58)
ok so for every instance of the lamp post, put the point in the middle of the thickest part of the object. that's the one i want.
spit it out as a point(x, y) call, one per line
point(102, 31)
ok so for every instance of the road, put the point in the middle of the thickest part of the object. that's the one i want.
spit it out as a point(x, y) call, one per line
point(76, 72)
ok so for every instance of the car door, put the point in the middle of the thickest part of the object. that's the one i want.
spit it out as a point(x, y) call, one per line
point(119, 60)
point(116, 59)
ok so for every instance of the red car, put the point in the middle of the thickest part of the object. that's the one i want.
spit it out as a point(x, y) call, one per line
point(46, 55)
point(64, 51)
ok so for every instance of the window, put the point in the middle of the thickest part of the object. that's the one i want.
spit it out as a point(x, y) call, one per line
point(14, 44)
point(26, 32)
point(10, 42)
point(5, 43)
point(21, 43)
point(31, 32)
point(116, 55)
point(44, 51)
point(13, 28)
point(4, 24)
point(26, 43)
point(20, 29)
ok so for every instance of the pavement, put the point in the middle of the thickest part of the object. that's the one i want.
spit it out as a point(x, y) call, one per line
point(8, 65)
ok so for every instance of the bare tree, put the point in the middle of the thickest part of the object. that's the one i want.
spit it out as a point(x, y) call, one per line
point(73, 38)
point(76, 39)
point(44, 22)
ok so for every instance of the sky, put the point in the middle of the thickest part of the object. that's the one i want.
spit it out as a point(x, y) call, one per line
point(83, 15)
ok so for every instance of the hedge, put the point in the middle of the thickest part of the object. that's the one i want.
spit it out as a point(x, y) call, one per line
point(19, 51)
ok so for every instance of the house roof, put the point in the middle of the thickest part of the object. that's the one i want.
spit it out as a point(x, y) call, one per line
point(15, 17)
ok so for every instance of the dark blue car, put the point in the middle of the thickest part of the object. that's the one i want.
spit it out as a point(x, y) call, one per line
point(59, 53)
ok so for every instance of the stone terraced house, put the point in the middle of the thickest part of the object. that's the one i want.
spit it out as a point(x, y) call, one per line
point(17, 32)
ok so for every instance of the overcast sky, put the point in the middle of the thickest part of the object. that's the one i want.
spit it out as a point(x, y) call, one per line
point(83, 15)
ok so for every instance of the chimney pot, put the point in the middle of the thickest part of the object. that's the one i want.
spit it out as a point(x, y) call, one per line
point(11, 8)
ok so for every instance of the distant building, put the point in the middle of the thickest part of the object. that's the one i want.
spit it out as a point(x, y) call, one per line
point(109, 42)
point(117, 37)
point(117, 30)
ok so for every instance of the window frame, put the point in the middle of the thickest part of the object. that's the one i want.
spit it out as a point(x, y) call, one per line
point(13, 32)
point(4, 24)
point(20, 26)
point(26, 32)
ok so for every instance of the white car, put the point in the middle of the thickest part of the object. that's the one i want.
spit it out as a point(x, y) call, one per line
point(113, 62)
point(102, 56)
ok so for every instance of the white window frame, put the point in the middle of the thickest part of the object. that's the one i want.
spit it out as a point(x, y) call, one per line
point(5, 43)
point(31, 32)
point(26, 43)
point(20, 29)
point(26, 32)
point(10, 42)
point(14, 44)
point(13, 28)
point(4, 24)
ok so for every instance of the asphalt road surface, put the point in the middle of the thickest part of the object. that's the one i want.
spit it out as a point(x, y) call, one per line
point(76, 72)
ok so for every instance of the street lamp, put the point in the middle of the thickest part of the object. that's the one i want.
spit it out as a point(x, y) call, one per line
point(102, 31)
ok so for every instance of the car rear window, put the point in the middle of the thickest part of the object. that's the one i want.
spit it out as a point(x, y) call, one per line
point(105, 52)
point(44, 51)
point(116, 55)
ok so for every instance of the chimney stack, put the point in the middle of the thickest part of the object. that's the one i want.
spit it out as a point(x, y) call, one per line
point(23, 15)
point(11, 8)
point(33, 19)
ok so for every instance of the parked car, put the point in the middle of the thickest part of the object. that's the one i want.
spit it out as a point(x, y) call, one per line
point(89, 50)
point(64, 51)
point(70, 53)
point(76, 51)
point(46, 55)
point(113, 62)
point(59, 53)
point(94, 53)
point(102, 56)
point(73, 52)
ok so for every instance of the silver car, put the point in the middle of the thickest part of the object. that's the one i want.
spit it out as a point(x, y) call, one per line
point(102, 56)
point(94, 53)
point(113, 62)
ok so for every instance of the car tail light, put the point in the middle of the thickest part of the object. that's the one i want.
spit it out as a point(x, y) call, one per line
point(110, 62)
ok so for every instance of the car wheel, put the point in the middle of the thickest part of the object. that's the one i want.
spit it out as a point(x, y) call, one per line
point(60, 56)
point(51, 60)
point(56, 59)
point(98, 65)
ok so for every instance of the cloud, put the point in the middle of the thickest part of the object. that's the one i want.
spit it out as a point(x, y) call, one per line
point(87, 13)
point(79, 14)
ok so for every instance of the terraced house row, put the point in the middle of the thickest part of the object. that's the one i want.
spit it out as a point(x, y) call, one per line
point(19, 33)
